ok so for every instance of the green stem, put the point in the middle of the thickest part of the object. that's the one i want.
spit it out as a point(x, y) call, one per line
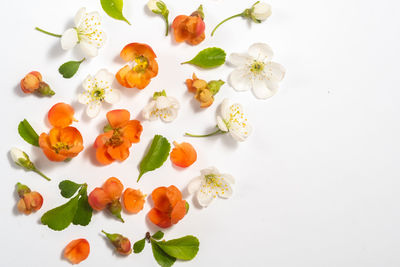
point(166, 26)
point(41, 174)
point(48, 33)
point(218, 131)
point(225, 20)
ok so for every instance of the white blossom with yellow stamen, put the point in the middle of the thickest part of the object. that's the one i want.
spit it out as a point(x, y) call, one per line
point(233, 120)
point(211, 184)
point(87, 33)
point(97, 90)
point(256, 71)
point(161, 106)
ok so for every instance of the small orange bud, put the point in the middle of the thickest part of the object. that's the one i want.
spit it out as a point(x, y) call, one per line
point(133, 200)
point(31, 82)
point(61, 115)
point(77, 250)
point(183, 155)
point(30, 201)
point(98, 199)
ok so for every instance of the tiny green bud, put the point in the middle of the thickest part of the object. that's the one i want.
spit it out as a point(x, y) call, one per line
point(157, 94)
point(115, 208)
point(22, 189)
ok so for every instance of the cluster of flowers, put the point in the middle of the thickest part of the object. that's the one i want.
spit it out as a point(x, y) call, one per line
point(253, 70)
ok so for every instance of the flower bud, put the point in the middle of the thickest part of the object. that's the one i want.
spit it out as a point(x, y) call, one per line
point(20, 158)
point(260, 11)
point(33, 82)
point(122, 244)
point(115, 208)
point(22, 190)
point(30, 201)
point(153, 5)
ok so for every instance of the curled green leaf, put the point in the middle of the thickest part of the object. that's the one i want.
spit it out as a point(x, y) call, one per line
point(83, 214)
point(27, 133)
point(162, 258)
point(68, 69)
point(156, 156)
point(184, 248)
point(208, 58)
point(113, 8)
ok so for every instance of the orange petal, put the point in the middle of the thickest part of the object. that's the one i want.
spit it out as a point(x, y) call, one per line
point(118, 117)
point(152, 68)
point(73, 138)
point(179, 27)
point(77, 251)
point(132, 131)
point(113, 188)
point(178, 212)
point(138, 80)
point(121, 76)
point(133, 200)
point(102, 155)
point(98, 199)
point(45, 145)
point(61, 115)
point(196, 39)
point(159, 218)
point(133, 50)
point(183, 155)
point(173, 195)
point(120, 152)
point(160, 199)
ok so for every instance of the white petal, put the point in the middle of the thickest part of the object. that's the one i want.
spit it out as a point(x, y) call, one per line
point(104, 75)
point(227, 192)
point(240, 79)
point(174, 102)
point(93, 109)
point(163, 102)
point(112, 96)
point(88, 83)
point(238, 60)
point(168, 114)
point(277, 70)
point(209, 170)
point(221, 124)
point(69, 39)
point(152, 5)
point(17, 154)
point(225, 109)
point(261, 51)
point(149, 111)
point(262, 11)
point(84, 98)
point(263, 88)
point(204, 197)
point(194, 185)
point(88, 49)
point(237, 135)
point(229, 178)
point(79, 16)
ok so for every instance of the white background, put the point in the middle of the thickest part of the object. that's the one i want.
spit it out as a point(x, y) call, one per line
point(318, 180)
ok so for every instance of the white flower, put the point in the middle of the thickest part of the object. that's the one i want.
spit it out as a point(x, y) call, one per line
point(97, 90)
point(256, 70)
point(86, 33)
point(211, 184)
point(17, 155)
point(261, 11)
point(234, 121)
point(162, 106)
point(152, 5)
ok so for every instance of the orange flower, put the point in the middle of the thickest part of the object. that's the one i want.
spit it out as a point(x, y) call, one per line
point(190, 28)
point(77, 250)
point(61, 143)
point(183, 155)
point(61, 115)
point(169, 208)
point(133, 200)
point(108, 197)
point(114, 144)
point(145, 67)
point(30, 201)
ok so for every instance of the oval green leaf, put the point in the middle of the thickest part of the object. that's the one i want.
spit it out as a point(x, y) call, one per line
point(158, 235)
point(162, 258)
point(68, 69)
point(156, 156)
point(68, 188)
point(61, 217)
point(27, 133)
point(184, 248)
point(208, 58)
point(139, 245)
point(113, 8)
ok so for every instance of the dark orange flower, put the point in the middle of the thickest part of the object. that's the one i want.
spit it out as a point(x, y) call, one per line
point(183, 155)
point(77, 250)
point(114, 144)
point(145, 66)
point(169, 208)
point(189, 28)
point(108, 197)
point(133, 200)
point(61, 143)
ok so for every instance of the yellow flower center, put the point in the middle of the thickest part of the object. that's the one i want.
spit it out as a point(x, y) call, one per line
point(97, 93)
point(257, 66)
point(116, 138)
point(60, 146)
point(141, 64)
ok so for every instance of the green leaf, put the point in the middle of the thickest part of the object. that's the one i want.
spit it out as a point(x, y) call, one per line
point(27, 133)
point(214, 86)
point(61, 217)
point(162, 258)
point(187, 207)
point(83, 214)
point(113, 8)
point(184, 248)
point(68, 69)
point(68, 188)
point(139, 245)
point(156, 156)
point(208, 58)
point(158, 235)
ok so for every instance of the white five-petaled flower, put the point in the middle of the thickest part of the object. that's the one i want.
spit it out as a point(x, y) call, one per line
point(86, 33)
point(261, 11)
point(256, 70)
point(97, 90)
point(233, 120)
point(161, 106)
point(211, 184)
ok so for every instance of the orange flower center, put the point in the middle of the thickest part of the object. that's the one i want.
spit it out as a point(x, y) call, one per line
point(141, 64)
point(116, 138)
